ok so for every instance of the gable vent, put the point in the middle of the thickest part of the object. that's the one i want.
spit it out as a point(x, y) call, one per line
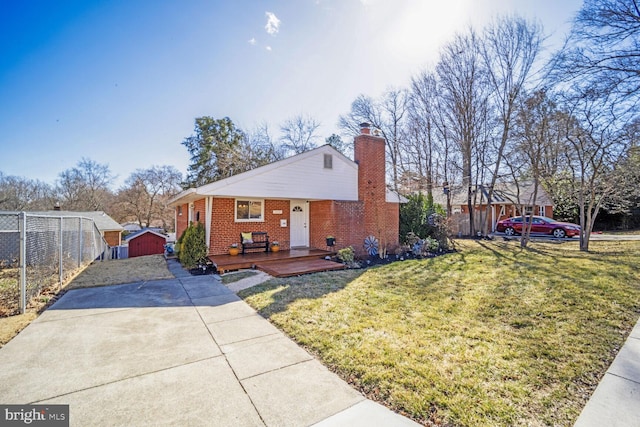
point(328, 161)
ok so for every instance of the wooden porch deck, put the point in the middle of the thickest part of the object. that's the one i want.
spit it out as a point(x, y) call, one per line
point(278, 264)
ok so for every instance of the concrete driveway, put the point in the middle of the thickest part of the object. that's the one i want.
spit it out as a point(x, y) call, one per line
point(184, 351)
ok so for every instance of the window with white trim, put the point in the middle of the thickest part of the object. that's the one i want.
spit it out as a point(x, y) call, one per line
point(248, 210)
point(541, 211)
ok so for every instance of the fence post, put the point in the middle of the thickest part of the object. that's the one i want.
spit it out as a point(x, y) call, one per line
point(80, 248)
point(22, 220)
point(61, 250)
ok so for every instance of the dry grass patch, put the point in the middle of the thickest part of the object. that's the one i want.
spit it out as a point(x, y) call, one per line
point(11, 326)
point(493, 335)
point(115, 272)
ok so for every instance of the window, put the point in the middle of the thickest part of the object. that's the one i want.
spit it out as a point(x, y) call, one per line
point(528, 210)
point(541, 211)
point(180, 210)
point(328, 161)
point(249, 210)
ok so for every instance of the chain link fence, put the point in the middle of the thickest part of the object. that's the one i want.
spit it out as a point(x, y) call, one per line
point(38, 253)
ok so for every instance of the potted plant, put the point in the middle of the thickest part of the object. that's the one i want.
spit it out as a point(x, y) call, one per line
point(233, 249)
point(275, 246)
point(331, 240)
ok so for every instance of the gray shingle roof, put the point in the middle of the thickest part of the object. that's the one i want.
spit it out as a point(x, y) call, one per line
point(103, 221)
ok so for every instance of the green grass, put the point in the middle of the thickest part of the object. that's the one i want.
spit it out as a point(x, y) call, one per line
point(7, 283)
point(491, 335)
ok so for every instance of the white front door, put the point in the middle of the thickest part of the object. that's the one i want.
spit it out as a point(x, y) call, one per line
point(299, 211)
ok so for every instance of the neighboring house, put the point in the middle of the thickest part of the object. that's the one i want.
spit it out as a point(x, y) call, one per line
point(109, 228)
point(299, 201)
point(148, 241)
point(507, 201)
point(131, 227)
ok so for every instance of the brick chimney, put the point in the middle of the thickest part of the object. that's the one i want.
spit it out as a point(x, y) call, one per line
point(369, 154)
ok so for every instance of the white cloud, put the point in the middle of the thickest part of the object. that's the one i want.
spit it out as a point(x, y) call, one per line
point(252, 41)
point(268, 48)
point(273, 23)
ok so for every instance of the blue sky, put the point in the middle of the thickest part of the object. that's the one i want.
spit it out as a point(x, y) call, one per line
point(121, 81)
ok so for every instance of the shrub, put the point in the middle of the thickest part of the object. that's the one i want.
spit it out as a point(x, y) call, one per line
point(422, 217)
point(346, 255)
point(430, 244)
point(422, 247)
point(193, 248)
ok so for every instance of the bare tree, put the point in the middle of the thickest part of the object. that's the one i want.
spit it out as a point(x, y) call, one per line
point(464, 99)
point(299, 133)
point(537, 129)
point(602, 53)
point(85, 186)
point(259, 148)
point(599, 75)
point(509, 49)
point(387, 116)
point(596, 145)
point(146, 193)
point(420, 129)
point(18, 193)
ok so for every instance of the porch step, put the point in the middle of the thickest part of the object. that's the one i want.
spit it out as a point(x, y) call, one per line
point(295, 267)
point(250, 260)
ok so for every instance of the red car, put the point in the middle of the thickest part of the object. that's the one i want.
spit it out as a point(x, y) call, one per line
point(541, 225)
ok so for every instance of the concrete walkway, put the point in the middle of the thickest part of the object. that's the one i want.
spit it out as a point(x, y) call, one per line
point(617, 398)
point(184, 351)
point(249, 282)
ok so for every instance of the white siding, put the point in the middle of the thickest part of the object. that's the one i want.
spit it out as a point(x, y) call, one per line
point(299, 177)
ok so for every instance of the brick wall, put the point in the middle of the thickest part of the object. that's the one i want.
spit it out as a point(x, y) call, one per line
point(224, 229)
point(381, 219)
point(182, 221)
point(199, 212)
point(340, 219)
point(351, 222)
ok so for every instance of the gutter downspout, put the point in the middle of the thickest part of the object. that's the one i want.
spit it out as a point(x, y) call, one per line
point(208, 209)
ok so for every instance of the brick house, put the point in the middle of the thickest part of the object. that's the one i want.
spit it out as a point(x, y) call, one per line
point(508, 200)
point(300, 201)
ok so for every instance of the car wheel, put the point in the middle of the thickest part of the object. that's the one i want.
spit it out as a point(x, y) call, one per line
point(559, 233)
point(509, 231)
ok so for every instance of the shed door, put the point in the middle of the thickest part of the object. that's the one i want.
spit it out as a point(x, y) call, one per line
point(299, 223)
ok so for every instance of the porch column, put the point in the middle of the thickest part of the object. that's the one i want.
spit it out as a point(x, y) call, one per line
point(208, 209)
point(493, 218)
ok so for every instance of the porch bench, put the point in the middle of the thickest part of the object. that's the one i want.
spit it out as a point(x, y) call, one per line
point(259, 240)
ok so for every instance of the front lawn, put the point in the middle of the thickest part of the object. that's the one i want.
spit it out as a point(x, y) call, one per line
point(491, 335)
